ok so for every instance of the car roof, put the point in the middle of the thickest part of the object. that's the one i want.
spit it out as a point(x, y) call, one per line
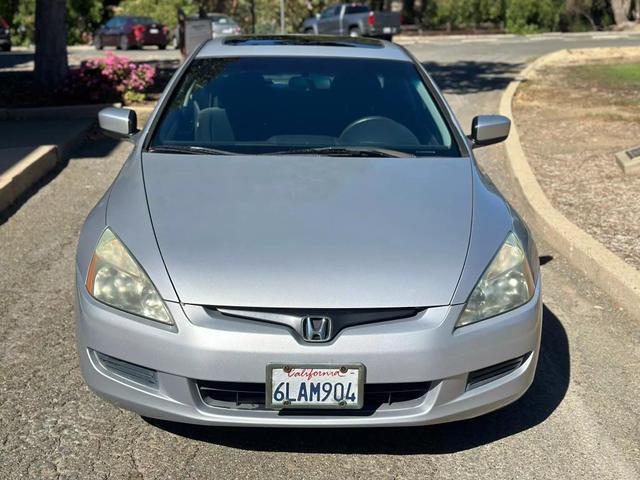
point(302, 45)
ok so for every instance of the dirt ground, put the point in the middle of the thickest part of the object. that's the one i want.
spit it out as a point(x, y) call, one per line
point(573, 116)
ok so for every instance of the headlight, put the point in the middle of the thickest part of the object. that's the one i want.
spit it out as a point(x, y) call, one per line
point(115, 278)
point(505, 285)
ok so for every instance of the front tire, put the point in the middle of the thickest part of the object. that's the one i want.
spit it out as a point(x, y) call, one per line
point(123, 43)
point(162, 47)
point(308, 31)
point(97, 42)
point(354, 32)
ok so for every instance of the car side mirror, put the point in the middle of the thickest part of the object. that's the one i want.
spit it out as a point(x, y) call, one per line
point(489, 129)
point(118, 122)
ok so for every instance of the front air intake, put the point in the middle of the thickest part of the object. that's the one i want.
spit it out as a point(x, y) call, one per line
point(251, 396)
point(483, 376)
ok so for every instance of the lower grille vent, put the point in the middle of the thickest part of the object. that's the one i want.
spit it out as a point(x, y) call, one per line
point(130, 371)
point(251, 396)
point(489, 374)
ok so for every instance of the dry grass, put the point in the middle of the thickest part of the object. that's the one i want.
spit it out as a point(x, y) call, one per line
point(573, 116)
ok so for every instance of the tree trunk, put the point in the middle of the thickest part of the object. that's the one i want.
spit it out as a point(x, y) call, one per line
point(253, 16)
point(620, 10)
point(51, 65)
point(590, 19)
point(408, 11)
point(220, 6)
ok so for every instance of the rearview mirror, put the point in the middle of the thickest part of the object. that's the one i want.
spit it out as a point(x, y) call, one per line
point(120, 122)
point(489, 129)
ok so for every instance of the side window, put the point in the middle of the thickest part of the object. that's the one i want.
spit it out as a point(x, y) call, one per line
point(328, 12)
point(356, 9)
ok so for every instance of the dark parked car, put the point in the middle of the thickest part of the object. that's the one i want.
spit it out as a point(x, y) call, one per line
point(5, 35)
point(355, 20)
point(130, 32)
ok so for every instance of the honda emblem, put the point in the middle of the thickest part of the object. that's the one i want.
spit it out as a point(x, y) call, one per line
point(316, 329)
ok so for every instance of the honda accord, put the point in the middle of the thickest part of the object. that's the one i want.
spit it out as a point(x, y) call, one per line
point(301, 236)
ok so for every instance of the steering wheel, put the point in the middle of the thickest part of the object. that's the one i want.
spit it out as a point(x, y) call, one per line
point(377, 130)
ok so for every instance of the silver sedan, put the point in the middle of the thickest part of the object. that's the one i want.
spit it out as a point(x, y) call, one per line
point(302, 237)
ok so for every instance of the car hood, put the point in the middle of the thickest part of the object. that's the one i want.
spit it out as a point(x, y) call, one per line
point(309, 231)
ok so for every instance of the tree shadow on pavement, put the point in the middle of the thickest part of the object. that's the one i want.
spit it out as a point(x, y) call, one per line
point(96, 147)
point(539, 402)
point(15, 59)
point(467, 77)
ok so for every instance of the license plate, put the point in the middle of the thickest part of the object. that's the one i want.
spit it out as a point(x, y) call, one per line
point(386, 30)
point(153, 31)
point(315, 386)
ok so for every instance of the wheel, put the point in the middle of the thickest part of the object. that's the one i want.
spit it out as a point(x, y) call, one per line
point(123, 43)
point(6, 48)
point(354, 32)
point(162, 47)
point(308, 31)
point(97, 42)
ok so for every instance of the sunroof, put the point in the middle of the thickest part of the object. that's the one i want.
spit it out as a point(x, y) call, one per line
point(304, 40)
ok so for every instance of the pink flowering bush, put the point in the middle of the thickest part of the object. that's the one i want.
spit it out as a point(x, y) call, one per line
point(111, 78)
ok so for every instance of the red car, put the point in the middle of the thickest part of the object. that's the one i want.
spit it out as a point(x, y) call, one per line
point(5, 35)
point(131, 32)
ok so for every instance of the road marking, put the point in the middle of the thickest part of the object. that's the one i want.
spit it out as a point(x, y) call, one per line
point(609, 37)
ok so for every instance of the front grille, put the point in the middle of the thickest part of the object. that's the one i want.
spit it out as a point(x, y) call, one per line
point(339, 318)
point(251, 396)
point(489, 374)
point(130, 371)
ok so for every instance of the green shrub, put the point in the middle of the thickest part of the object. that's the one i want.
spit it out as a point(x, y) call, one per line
point(531, 16)
point(461, 13)
point(83, 17)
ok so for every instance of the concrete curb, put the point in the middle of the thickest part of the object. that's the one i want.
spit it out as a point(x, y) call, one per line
point(617, 278)
point(17, 179)
point(36, 164)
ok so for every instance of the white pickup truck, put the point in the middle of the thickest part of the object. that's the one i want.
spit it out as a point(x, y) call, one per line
point(355, 20)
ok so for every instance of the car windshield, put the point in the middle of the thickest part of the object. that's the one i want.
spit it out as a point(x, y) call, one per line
point(220, 19)
point(261, 105)
point(142, 20)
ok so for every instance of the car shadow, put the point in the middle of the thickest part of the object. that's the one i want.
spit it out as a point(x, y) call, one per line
point(466, 77)
point(534, 407)
point(544, 259)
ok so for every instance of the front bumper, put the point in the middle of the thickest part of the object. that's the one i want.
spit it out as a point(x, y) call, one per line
point(210, 347)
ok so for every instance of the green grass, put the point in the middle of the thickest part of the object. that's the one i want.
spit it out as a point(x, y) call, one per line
point(625, 76)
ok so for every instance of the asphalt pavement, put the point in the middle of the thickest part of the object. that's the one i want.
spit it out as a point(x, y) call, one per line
point(580, 419)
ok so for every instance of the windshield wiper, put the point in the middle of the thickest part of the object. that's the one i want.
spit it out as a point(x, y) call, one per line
point(345, 152)
point(189, 149)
